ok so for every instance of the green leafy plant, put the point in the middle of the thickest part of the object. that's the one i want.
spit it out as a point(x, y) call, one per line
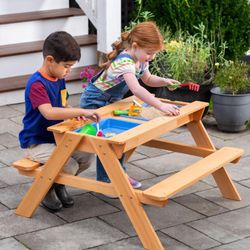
point(141, 16)
point(188, 57)
point(233, 78)
point(225, 20)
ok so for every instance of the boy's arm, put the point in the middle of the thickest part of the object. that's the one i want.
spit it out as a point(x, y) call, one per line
point(56, 113)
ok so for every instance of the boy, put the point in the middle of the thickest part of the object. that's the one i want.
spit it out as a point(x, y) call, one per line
point(46, 105)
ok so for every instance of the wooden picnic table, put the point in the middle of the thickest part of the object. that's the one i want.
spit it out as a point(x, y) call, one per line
point(110, 150)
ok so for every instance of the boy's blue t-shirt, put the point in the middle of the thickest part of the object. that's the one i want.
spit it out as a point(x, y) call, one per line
point(34, 124)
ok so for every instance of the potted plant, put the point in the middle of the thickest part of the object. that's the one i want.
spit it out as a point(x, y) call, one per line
point(231, 96)
point(187, 58)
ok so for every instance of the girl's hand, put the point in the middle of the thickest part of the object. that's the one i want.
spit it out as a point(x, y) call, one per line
point(172, 83)
point(170, 109)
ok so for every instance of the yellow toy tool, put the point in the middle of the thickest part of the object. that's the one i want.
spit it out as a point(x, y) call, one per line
point(133, 110)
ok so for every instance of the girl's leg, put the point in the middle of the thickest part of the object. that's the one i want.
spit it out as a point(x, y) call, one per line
point(101, 174)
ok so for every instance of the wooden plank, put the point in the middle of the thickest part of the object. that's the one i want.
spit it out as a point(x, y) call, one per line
point(93, 186)
point(19, 82)
point(127, 196)
point(26, 164)
point(221, 176)
point(160, 125)
point(51, 169)
point(192, 174)
point(37, 46)
point(40, 15)
point(179, 147)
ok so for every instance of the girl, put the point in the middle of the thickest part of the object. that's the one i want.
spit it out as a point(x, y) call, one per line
point(128, 62)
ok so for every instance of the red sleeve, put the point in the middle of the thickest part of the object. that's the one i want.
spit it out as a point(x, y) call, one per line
point(38, 95)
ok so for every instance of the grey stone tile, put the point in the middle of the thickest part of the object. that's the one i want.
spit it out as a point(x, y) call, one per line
point(19, 107)
point(209, 120)
point(184, 137)
point(200, 205)
point(215, 196)
point(136, 156)
point(8, 156)
point(218, 142)
point(150, 152)
point(150, 182)
point(86, 206)
point(8, 140)
point(78, 235)
point(160, 218)
point(11, 224)
point(3, 184)
point(215, 231)
point(238, 245)
point(11, 176)
point(191, 237)
point(7, 125)
point(138, 173)
point(237, 221)
point(226, 136)
point(2, 165)
point(2, 207)
point(75, 191)
point(210, 180)
point(167, 163)
point(11, 196)
point(113, 202)
point(18, 120)
point(134, 243)
point(241, 142)
point(240, 170)
point(11, 243)
point(8, 112)
point(246, 183)
point(169, 134)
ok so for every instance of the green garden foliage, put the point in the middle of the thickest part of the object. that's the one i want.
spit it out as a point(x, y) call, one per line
point(225, 20)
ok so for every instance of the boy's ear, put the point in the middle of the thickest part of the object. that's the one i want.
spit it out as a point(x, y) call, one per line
point(50, 59)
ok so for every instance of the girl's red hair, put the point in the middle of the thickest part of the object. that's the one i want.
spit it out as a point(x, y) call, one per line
point(146, 35)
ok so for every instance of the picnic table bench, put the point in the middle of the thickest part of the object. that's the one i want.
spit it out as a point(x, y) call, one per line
point(110, 150)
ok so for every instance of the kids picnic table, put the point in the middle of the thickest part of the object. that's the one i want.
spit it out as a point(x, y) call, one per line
point(110, 150)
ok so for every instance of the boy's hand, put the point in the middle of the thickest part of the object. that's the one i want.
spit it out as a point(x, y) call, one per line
point(93, 116)
point(169, 109)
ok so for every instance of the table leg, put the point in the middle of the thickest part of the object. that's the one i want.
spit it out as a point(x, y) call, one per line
point(127, 196)
point(221, 176)
point(45, 179)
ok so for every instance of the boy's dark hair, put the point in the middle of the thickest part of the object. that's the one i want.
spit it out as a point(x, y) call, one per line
point(62, 46)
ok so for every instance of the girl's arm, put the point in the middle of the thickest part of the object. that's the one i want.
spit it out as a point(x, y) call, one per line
point(56, 113)
point(147, 97)
point(156, 81)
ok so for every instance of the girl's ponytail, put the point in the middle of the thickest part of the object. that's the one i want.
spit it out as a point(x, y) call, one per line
point(117, 47)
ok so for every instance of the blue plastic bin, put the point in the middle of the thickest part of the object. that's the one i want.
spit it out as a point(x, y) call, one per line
point(113, 126)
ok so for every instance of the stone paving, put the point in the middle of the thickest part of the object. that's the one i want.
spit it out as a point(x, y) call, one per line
point(197, 218)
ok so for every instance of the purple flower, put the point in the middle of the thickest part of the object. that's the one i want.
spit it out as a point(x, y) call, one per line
point(86, 75)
